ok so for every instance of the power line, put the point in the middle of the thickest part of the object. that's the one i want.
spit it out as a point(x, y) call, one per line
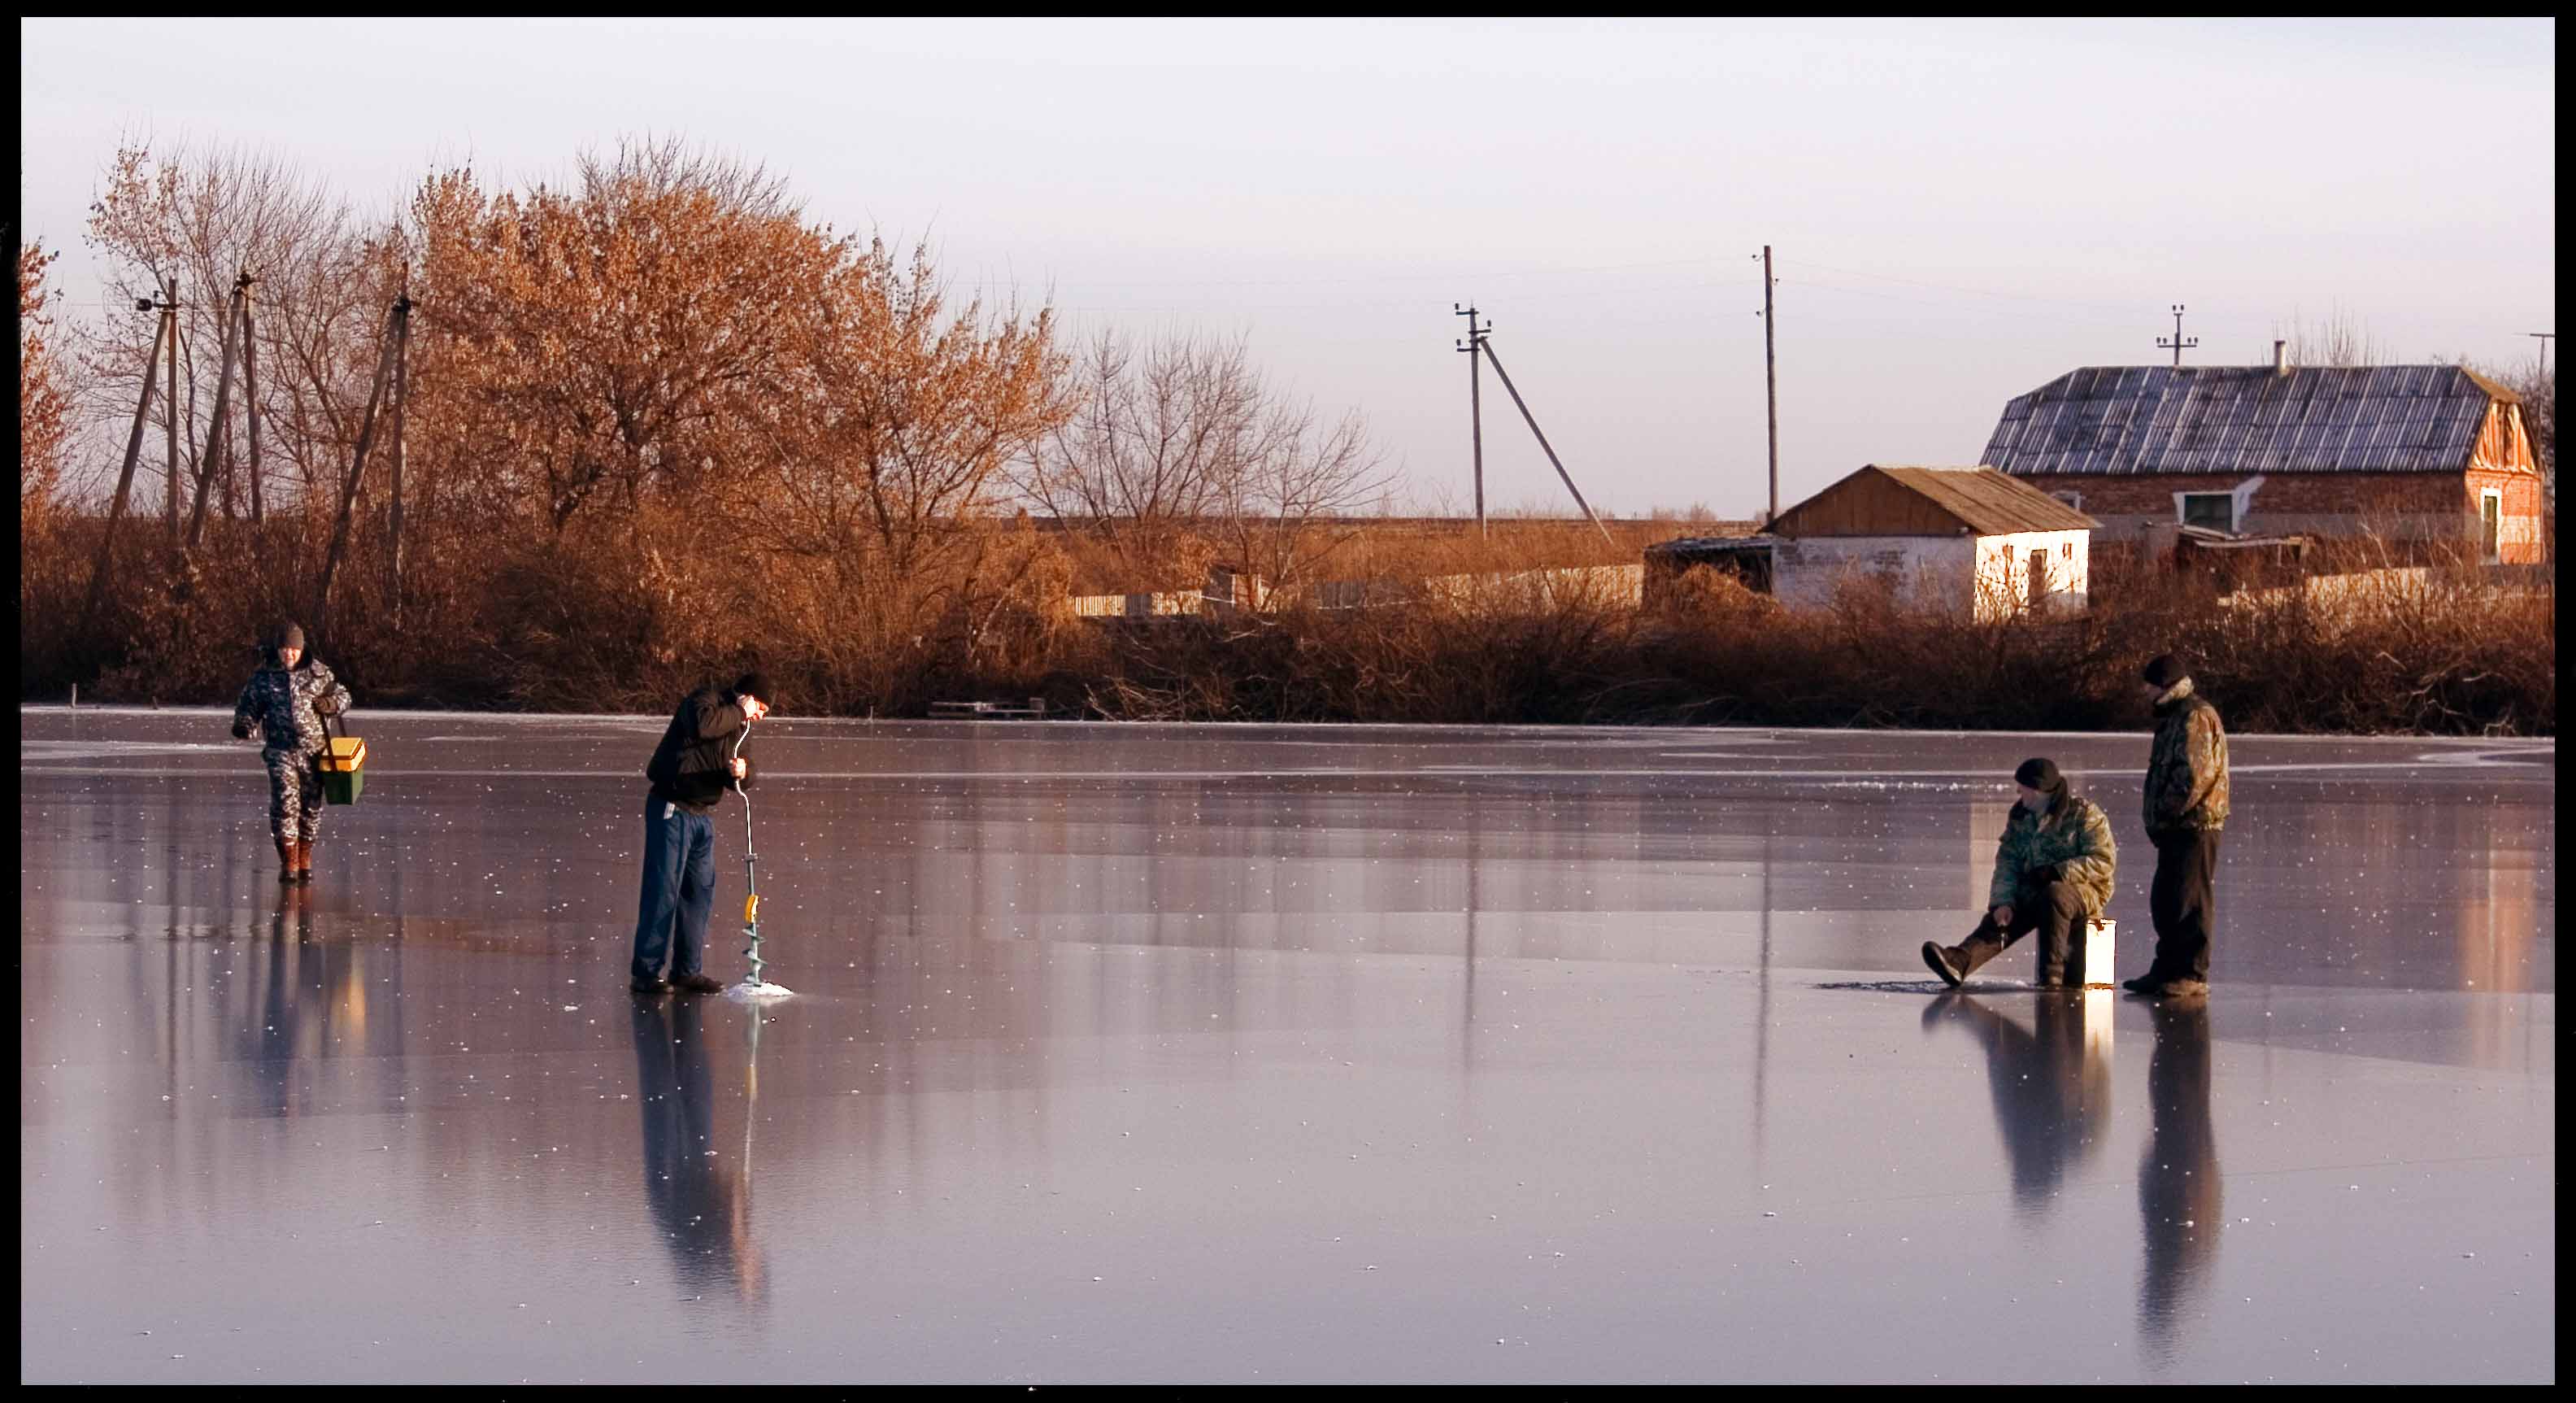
point(1366, 278)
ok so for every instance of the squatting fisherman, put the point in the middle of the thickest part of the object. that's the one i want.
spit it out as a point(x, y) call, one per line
point(690, 771)
point(284, 703)
point(2053, 872)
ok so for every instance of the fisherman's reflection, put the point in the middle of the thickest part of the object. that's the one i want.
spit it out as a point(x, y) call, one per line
point(279, 1032)
point(2178, 1190)
point(700, 1199)
point(312, 1003)
point(2052, 1085)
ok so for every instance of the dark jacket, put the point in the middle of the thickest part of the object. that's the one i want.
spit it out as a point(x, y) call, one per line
point(286, 707)
point(2186, 788)
point(693, 766)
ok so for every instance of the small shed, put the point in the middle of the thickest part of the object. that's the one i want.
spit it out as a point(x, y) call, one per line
point(1966, 539)
point(1744, 559)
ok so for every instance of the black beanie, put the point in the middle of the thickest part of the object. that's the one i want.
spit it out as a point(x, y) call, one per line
point(2165, 671)
point(754, 683)
point(284, 635)
point(2041, 774)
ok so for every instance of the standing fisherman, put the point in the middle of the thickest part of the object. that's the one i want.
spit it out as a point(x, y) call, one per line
point(2186, 806)
point(690, 770)
point(286, 701)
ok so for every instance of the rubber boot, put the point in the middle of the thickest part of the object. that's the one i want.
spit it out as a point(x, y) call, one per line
point(2055, 954)
point(285, 861)
point(303, 863)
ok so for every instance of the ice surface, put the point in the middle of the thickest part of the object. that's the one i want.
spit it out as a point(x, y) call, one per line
point(1252, 1053)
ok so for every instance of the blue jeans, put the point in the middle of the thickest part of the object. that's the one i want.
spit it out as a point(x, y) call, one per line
point(679, 885)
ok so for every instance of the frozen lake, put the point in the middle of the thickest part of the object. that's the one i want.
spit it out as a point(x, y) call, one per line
point(1167, 1053)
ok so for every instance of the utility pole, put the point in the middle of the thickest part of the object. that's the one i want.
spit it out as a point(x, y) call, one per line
point(169, 305)
point(2177, 345)
point(1475, 402)
point(133, 451)
point(1771, 383)
point(2544, 337)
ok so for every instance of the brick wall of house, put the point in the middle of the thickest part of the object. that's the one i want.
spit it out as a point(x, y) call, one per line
point(2522, 536)
point(2396, 506)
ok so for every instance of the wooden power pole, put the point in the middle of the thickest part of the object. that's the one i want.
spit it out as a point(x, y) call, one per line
point(170, 403)
point(106, 562)
point(1770, 384)
point(1475, 403)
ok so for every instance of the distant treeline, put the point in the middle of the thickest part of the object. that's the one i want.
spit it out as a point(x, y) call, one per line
point(582, 446)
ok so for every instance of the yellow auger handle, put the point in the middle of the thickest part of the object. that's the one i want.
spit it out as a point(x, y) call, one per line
point(751, 909)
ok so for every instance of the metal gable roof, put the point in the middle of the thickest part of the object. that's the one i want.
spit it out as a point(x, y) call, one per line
point(1990, 503)
point(1980, 500)
point(2245, 419)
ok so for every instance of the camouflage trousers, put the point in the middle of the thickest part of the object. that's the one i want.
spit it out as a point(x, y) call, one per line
point(294, 795)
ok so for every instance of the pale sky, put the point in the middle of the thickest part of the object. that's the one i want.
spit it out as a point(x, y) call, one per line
point(1961, 211)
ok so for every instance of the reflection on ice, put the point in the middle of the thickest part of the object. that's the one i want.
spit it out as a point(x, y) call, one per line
point(2051, 1081)
point(2181, 1195)
point(1141, 1053)
point(699, 1189)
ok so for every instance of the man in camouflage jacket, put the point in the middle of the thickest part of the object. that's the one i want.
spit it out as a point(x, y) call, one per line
point(2186, 807)
point(284, 704)
point(2053, 872)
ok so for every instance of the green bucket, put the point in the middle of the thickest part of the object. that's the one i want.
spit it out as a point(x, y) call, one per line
point(343, 763)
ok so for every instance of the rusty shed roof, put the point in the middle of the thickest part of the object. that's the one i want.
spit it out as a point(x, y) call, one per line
point(2246, 419)
point(1883, 501)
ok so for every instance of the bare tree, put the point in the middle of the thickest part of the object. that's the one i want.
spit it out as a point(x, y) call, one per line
point(1183, 447)
point(202, 216)
point(2340, 339)
point(1156, 449)
point(1290, 508)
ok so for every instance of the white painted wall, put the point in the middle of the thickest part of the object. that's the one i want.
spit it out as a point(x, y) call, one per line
point(1989, 575)
point(2003, 571)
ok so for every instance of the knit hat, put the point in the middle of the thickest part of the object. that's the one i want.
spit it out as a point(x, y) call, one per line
point(2041, 774)
point(285, 634)
point(754, 683)
point(2165, 671)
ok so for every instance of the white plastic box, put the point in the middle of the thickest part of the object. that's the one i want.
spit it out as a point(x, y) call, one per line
point(2098, 937)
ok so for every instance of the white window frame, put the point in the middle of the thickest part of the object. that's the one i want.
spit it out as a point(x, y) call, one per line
point(2072, 499)
point(2486, 495)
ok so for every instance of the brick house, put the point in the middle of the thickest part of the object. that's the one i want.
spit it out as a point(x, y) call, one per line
point(2409, 453)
